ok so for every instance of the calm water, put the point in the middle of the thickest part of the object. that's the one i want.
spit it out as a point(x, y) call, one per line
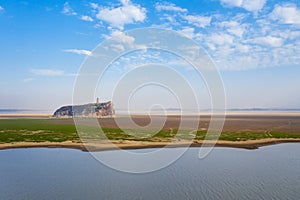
point(268, 173)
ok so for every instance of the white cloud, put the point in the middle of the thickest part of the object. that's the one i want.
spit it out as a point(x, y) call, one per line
point(169, 18)
point(243, 40)
point(197, 20)
point(188, 32)
point(79, 51)
point(47, 72)
point(1, 8)
point(122, 37)
point(269, 40)
point(67, 10)
point(169, 7)
point(243, 48)
point(86, 18)
point(26, 80)
point(221, 38)
point(238, 31)
point(210, 45)
point(233, 27)
point(117, 17)
point(253, 5)
point(117, 47)
point(94, 5)
point(236, 41)
point(250, 5)
point(287, 14)
point(236, 3)
point(293, 34)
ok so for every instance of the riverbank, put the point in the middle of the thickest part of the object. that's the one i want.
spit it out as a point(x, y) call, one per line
point(25, 115)
point(114, 145)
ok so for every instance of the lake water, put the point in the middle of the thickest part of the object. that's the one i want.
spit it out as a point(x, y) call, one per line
point(271, 172)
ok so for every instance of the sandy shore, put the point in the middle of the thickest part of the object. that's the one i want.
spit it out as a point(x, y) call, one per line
point(250, 144)
point(24, 115)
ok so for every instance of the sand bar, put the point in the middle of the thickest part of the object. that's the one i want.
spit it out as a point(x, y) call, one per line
point(24, 115)
point(250, 144)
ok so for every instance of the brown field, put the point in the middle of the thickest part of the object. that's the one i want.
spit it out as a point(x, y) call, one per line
point(234, 123)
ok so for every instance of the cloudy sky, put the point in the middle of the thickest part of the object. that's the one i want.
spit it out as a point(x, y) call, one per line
point(254, 43)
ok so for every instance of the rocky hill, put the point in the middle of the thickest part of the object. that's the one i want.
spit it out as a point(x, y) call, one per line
point(105, 109)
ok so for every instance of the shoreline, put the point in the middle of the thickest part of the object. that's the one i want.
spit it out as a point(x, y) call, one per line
point(227, 113)
point(117, 145)
point(24, 115)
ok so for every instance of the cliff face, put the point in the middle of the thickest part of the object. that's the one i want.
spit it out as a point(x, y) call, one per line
point(87, 110)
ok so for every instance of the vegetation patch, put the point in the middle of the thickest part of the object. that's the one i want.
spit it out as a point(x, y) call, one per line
point(50, 130)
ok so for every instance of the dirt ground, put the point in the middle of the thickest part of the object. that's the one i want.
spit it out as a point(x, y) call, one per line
point(259, 123)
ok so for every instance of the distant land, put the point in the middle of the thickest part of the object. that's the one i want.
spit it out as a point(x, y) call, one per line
point(264, 109)
point(193, 111)
point(48, 111)
point(240, 109)
point(97, 109)
point(25, 111)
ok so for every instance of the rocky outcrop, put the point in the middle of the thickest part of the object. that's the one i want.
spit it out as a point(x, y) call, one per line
point(87, 110)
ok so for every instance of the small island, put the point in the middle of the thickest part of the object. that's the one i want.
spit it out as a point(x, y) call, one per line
point(97, 109)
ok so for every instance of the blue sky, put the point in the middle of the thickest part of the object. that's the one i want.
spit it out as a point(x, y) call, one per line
point(254, 43)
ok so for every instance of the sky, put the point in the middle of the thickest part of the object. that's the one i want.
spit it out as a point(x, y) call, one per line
point(255, 45)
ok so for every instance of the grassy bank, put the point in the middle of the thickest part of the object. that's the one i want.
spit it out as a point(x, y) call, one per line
point(50, 130)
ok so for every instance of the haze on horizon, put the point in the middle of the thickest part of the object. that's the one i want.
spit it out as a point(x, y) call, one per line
point(254, 43)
